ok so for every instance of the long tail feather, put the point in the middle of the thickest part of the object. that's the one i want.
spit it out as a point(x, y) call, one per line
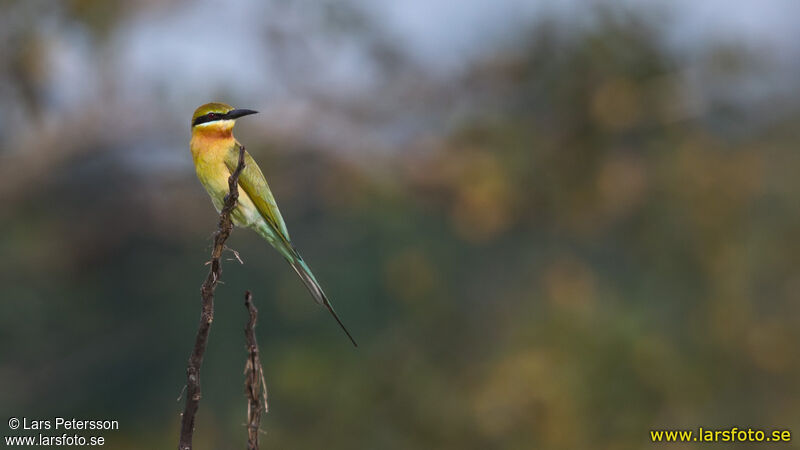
point(305, 274)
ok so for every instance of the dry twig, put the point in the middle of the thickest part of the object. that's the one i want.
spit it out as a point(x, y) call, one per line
point(207, 313)
point(255, 387)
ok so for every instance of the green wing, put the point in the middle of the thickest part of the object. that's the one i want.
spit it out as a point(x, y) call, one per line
point(253, 182)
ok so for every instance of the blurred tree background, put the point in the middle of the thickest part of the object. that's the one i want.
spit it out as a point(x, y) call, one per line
point(548, 228)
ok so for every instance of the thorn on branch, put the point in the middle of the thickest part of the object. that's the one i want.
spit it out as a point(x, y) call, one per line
point(235, 254)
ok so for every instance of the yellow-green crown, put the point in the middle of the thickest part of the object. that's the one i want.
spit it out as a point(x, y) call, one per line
point(219, 108)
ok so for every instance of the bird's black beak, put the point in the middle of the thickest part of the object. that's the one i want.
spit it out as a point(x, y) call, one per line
point(236, 113)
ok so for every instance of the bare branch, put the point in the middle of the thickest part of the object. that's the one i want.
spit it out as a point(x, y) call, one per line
point(224, 229)
point(254, 385)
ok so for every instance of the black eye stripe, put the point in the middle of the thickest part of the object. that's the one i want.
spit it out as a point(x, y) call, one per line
point(210, 117)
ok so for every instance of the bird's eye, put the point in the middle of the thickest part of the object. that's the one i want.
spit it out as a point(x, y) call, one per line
point(212, 115)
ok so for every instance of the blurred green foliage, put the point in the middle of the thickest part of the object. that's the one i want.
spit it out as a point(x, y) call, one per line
point(589, 253)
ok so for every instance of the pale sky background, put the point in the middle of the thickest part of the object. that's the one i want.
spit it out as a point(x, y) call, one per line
point(281, 57)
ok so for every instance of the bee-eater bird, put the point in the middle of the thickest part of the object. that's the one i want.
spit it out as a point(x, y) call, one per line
point(216, 154)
